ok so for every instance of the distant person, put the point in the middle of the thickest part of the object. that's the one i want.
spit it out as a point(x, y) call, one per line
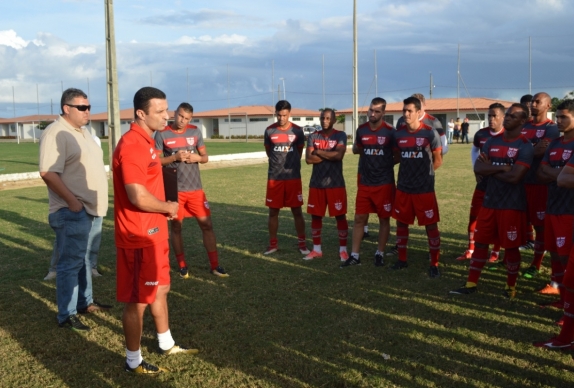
point(182, 147)
point(527, 100)
point(141, 231)
point(325, 151)
point(457, 125)
point(284, 143)
point(450, 131)
point(464, 131)
point(72, 166)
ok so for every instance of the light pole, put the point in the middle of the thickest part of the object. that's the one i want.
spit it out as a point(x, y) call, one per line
point(283, 79)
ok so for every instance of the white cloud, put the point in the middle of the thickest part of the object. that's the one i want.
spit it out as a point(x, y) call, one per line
point(11, 39)
point(207, 39)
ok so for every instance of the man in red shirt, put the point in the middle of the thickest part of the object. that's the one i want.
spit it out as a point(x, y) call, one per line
point(141, 231)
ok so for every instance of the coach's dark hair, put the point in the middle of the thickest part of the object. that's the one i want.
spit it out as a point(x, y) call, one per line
point(413, 100)
point(499, 106)
point(379, 101)
point(420, 97)
point(185, 107)
point(524, 108)
point(143, 97)
point(333, 115)
point(526, 99)
point(281, 105)
point(69, 95)
point(566, 105)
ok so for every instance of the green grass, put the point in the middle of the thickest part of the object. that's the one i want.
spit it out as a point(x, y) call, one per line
point(279, 321)
point(23, 157)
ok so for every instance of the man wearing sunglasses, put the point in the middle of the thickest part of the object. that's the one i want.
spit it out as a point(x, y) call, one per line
point(72, 166)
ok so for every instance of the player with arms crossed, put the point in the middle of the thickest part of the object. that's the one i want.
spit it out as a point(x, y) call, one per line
point(284, 143)
point(325, 151)
point(420, 156)
point(505, 160)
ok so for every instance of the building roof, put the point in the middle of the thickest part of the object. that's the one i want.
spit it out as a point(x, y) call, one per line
point(441, 105)
point(125, 115)
point(29, 119)
point(253, 110)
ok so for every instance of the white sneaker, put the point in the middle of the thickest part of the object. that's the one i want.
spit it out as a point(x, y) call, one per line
point(50, 276)
point(95, 273)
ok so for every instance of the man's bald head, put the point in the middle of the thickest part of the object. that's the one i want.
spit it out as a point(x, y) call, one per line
point(540, 105)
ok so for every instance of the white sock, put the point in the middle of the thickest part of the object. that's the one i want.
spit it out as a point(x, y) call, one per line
point(366, 229)
point(165, 340)
point(317, 248)
point(379, 253)
point(134, 358)
point(342, 249)
point(355, 255)
point(554, 284)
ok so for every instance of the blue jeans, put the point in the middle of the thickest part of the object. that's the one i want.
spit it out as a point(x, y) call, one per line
point(449, 136)
point(94, 241)
point(74, 278)
point(464, 136)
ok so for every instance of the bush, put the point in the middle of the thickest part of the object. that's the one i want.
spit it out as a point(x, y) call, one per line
point(217, 137)
point(7, 137)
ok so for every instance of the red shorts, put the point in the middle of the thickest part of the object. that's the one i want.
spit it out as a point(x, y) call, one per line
point(375, 199)
point(536, 197)
point(335, 198)
point(476, 203)
point(423, 206)
point(504, 226)
point(558, 233)
point(192, 204)
point(140, 271)
point(287, 193)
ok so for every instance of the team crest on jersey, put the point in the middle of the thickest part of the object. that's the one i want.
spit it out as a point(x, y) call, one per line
point(420, 141)
point(429, 213)
point(387, 207)
point(540, 133)
point(512, 152)
point(291, 138)
point(566, 154)
point(190, 140)
point(206, 204)
point(151, 151)
point(540, 215)
point(560, 241)
point(512, 234)
point(381, 140)
point(300, 197)
point(338, 205)
point(332, 143)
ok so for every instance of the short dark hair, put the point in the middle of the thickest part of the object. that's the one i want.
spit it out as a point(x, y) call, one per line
point(143, 97)
point(499, 106)
point(379, 101)
point(281, 105)
point(524, 108)
point(566, 105)
point(185, 107)
point(413, 100)
point(420, 97)
point(69, 95)
point(526, 99)
point(333, 115)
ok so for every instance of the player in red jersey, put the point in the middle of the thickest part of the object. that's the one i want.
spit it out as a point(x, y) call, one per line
point(565, 181)
point(374, 142)
point(505, 160)
point(496, 113)
point(420, 156)
point(182, 147)
point(529, 245)
point(325, 151)
point(284, 143)
point(540, 131)
point(141, 231)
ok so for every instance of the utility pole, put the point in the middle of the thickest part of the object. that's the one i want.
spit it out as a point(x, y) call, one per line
point(458, 82)
point(355, 72)
point(324, 81)
point(114, 129)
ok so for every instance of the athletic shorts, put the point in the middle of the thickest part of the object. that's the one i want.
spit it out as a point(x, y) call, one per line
point(335, 198)
point(288, 193)
point(422, 206)
point(192, 204)
point(558, 233)
point(476, 203)
point(536, 197)
point(375, 199)
point(504, 226)
point(140, 271)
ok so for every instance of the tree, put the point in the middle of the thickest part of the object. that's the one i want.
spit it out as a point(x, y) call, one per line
point(340, 118)
point(557, 101)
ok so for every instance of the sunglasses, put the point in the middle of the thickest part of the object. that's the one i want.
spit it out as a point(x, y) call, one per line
point(81, 108)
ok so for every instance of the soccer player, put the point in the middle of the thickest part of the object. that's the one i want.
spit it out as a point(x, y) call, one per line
point(560, 206)
point(565, 180)
point(504, 160)
point(284, 142)
point(140, 212)
point(376, 187)
point(182, 147)
point(496, 113)
point(325, 151)
point(420, 156)
point(540, 131)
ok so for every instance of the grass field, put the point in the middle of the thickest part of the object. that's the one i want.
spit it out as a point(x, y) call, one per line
point(23, 157)
point(279, 321)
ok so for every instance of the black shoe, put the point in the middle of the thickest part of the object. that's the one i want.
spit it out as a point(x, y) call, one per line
point(93, 307)
point(144, 368)
point(379, 260)
point(183, 273)
point(434, 272)
point(366, 235)
point(73, 323)
point(352, 260)
point(464, 290)
point(399, 265)
point(394, 251)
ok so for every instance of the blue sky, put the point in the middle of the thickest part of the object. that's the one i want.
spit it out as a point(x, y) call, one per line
point(186, 47)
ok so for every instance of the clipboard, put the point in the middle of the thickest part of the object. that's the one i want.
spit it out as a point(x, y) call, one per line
point(170, 183)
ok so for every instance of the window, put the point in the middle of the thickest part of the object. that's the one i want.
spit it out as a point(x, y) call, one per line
point(255, 119)
point(296, 118)
point(195, 121)
point(233, 120)
point(389, 119)
point(309, 118)
point(474, 117)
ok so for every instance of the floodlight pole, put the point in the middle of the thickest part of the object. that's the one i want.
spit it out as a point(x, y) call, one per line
point(355, 72)
point(112, 81)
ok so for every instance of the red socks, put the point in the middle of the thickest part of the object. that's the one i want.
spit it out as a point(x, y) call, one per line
point(512, 258)
point(477, 262)
point(181, 260)
point(316, 226)
point(402, 240)
point(343, 228)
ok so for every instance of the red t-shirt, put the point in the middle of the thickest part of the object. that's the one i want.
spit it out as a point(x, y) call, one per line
point(136, 161)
